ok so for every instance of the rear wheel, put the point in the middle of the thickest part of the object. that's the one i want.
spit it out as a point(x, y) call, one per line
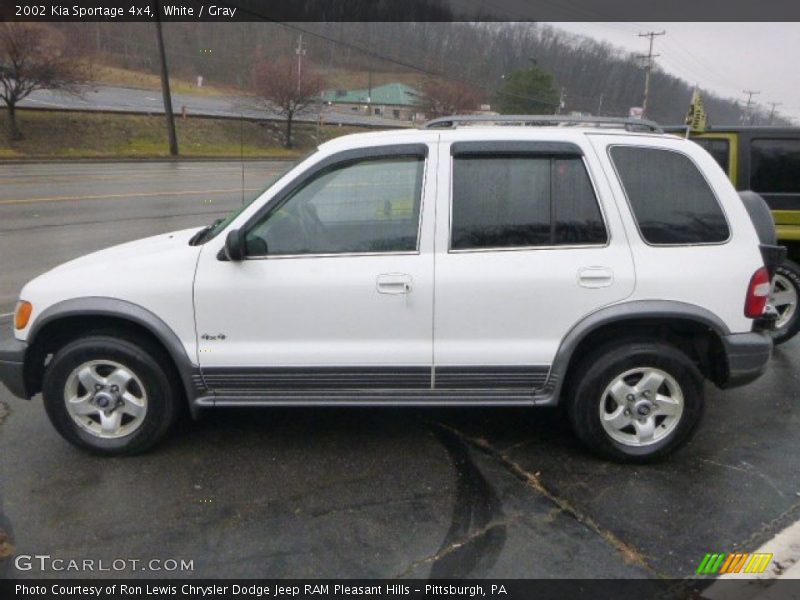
point(784, 298)
point(636, 401)
point(110, 396)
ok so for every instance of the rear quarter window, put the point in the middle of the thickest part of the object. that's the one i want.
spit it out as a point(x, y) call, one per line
point(775, 166)
point(669, 197)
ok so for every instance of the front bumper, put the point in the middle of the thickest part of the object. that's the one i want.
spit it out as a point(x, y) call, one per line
point(748, 355)
point(12, 367)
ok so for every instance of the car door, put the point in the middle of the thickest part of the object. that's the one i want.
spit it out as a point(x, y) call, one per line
point(336, 289)
point(528, 243)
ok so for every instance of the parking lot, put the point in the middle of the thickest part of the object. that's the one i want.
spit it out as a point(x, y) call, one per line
point(361, 492)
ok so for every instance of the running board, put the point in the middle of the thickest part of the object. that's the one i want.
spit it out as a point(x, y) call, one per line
point(371, 398)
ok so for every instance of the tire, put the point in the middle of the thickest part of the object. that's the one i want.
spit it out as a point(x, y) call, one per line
point(625, 365)
point(787, 282)
point(139, 411)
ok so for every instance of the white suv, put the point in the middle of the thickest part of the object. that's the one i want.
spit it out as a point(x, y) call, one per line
point(605, 267)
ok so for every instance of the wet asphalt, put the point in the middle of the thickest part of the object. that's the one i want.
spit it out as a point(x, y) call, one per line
point(361, 492)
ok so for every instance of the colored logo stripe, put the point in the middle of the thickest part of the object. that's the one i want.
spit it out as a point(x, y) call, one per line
point(758, 563)
point(734, 563)
point(711, 563)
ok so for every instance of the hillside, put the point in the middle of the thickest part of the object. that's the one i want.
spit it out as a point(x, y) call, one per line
point(346, 53)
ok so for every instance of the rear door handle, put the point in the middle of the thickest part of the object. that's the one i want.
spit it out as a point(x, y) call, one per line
point(394, 283)
point(595, 277)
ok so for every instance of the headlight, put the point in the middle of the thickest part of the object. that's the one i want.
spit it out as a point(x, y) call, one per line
point(22, 314)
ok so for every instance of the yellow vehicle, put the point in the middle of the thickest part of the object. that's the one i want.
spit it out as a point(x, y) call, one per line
point(766, 160)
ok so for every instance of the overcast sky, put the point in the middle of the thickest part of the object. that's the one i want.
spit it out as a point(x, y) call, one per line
point(723, 57)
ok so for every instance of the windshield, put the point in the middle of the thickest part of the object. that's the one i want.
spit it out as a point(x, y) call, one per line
point(212, 230)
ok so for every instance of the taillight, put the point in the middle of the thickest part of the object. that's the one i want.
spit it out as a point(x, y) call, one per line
point(757, 294)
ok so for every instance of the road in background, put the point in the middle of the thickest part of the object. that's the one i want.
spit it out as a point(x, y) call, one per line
point(53, 212)
point(110, 98)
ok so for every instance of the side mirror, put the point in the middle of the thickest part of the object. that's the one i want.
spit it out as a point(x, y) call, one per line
point(235, 245)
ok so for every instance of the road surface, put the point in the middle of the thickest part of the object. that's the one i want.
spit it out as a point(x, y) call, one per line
point(112, 98)
point(52, 212)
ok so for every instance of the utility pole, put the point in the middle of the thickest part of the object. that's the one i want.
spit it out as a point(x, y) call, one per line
point(600, 106)
point(748, 118)
point(562, 100)
point(648, 67)
point(301, 52)
point(165, 92)
point(772, 111)
point(369, 77)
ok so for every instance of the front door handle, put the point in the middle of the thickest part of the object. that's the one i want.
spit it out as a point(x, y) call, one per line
point(595, 277)
point(394, 283)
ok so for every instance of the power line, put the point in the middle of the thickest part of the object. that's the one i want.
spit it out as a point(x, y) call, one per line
point(392, 60)
point(649, 66)
point(411, 66)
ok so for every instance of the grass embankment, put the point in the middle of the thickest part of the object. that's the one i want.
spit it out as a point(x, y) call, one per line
point(117, 76)
point(65, 134)
point(334, 79)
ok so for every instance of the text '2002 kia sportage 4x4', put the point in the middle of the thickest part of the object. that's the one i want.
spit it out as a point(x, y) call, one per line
point(607, 270)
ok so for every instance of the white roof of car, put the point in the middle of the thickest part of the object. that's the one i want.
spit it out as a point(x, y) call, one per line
point(474, 132)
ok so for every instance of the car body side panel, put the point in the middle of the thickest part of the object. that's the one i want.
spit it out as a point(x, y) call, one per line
point(155, 274)
point(513, 306)
point(713, 276)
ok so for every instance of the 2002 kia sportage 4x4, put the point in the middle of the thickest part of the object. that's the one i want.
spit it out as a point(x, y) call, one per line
point(604, 266)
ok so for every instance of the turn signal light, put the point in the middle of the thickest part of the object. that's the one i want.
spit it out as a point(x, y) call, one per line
point(757, 294)
point(23, 314)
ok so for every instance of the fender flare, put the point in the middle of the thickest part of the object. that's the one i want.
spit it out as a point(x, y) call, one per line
point(113, 307)
point(618, 313)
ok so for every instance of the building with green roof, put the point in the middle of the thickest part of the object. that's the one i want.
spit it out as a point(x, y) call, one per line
point(392, 100)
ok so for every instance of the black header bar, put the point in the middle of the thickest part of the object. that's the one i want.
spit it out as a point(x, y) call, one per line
point(399, 10)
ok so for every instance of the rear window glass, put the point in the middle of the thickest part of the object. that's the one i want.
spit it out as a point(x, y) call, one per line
point(718, 148)
point(775, 166)
point(670, 199)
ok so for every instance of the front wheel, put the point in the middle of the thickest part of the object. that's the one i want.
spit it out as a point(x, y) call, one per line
point(636, 401)
point(110, 396)
point(784, 297)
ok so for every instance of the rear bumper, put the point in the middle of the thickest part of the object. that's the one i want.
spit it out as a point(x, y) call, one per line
point(748, 355)
point(12, 367)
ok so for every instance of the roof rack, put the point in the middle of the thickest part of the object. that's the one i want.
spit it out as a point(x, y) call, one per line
point(629, 124)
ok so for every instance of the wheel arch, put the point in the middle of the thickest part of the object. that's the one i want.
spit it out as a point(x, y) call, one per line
point(67, 320)
point(692, 328)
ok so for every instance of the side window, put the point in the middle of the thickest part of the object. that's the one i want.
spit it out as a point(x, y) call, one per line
point(523, 201)
point(719, 149)
point(670, 199)
point(775, 166)
point(365, 206)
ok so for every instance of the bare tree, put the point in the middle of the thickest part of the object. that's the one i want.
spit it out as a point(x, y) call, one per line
point(287, 90)
point(440, 98)
point(34, 57)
